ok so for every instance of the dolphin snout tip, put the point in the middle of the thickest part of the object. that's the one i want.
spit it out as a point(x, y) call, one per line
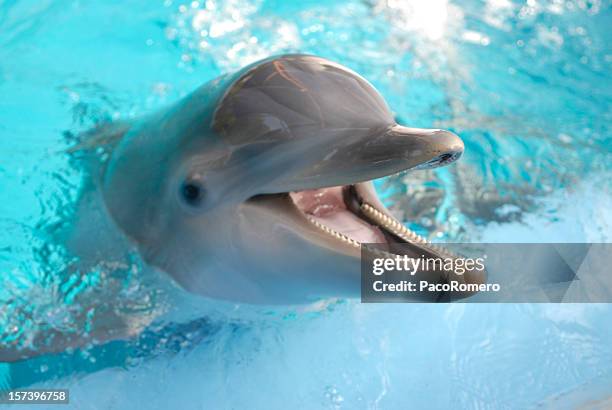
point(442, 148)
point(429, 148)
point(449, 145)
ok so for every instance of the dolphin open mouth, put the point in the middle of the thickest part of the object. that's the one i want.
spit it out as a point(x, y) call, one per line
point(330, 203)
point(338, 211)
point(353, 214)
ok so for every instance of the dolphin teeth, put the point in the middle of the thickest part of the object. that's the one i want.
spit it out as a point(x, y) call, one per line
point(402, 232)
point(391, 225)
point(334, 233)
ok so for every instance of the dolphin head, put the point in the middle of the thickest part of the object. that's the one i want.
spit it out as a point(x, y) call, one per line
point(257, 187)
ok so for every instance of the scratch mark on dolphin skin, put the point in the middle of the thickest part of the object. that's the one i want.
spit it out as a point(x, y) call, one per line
point(271, 76)
point(281, 70)
point(283, 73)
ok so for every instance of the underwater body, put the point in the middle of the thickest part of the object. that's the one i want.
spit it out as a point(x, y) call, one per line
point(525, 85)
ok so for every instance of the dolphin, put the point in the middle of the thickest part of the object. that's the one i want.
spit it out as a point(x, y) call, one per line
point(256, 188)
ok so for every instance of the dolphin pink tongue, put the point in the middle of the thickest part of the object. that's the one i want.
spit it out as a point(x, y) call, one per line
point(326, 206)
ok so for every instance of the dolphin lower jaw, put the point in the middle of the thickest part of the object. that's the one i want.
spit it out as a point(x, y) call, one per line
point(343, 219)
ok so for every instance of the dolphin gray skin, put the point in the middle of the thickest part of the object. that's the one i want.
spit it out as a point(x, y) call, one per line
point(256, 187)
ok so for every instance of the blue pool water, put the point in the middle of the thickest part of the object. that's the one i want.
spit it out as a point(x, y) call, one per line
point(526, 85)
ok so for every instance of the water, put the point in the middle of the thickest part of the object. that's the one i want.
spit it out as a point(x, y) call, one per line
point(526, 85)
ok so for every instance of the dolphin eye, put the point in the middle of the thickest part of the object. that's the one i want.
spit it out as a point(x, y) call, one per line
point(192, 193)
